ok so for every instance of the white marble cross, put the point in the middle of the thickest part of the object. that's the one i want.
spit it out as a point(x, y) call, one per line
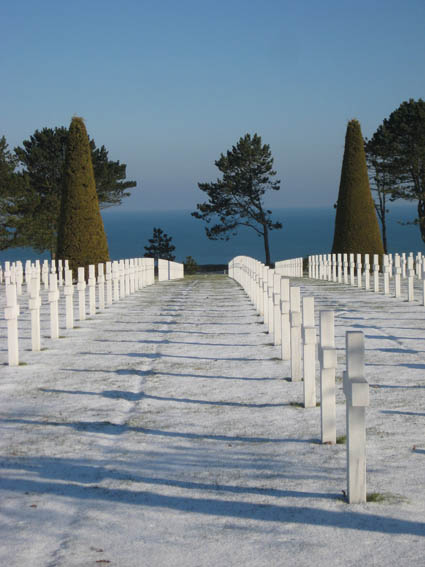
point(309, 353)
point(81, 287)
point(328, 361)
point(11, 314)
point(356, 390)
point(68, 292)
point(34, 307)
point(295, 320)
point(53, 298)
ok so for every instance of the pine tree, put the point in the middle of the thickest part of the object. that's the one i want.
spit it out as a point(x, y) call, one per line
point(397, 152)
point(190, 265)
point(356, 225)
point(160, 246)
point(238, 198)
point(81, 236)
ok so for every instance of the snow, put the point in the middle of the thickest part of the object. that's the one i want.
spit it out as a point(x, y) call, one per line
point(165, 431)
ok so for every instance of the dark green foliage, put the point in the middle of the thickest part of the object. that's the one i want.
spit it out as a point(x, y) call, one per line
point(190, 266)
point(237, 198)
point(110, 178)
point(381, 184)
point(398, 147)
point(160, 246)
point(12, 191)
point(81, 236)
point(43, 157)
point(356, 225)
point(35, 213)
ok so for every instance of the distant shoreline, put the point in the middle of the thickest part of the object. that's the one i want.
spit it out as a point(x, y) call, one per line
point(305, 232)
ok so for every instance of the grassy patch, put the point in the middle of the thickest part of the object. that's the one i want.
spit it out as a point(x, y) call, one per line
point(341, 440)
point(386, 497)
point(23, 364)
point(376, 497)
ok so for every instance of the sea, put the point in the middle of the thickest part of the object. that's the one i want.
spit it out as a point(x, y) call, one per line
point(305, 231)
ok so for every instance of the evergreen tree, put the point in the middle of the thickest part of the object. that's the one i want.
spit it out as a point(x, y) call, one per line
point(160, 246)
point(398, 148)
point(381, 185)
point(190, 265)
point(238, 198)
point(13, 186)
point(356, 225)
point(81, 236)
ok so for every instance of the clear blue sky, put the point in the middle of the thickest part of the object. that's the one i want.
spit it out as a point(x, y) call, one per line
point(167, 86)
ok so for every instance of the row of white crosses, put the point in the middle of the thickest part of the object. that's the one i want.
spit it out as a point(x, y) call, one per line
point(14, 272)
point(292, 325)
point(121, 279)
point(168, 270)
point(355, 269)
point(292, 268)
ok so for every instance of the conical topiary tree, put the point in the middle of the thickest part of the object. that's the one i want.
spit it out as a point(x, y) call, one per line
point(81, 236)
point(356, 224)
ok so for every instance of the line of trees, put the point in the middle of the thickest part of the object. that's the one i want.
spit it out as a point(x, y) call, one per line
point(395, 162)
point(32, 181)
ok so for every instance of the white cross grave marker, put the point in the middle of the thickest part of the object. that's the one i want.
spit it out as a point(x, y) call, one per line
point(356, 390)
point(309, 340)
point(327, 357)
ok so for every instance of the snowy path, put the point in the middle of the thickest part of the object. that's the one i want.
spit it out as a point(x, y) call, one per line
point(163, 432)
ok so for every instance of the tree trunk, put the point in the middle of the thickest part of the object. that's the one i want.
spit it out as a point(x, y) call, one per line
point(381, 211)
point(384, 231)
point(266, 244)
point(421, 218)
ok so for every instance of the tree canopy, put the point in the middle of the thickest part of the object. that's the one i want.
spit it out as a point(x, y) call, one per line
point(160, 246)
point(237, 199)
point(190, 265)
point(398, 148)
point(380, 184)
point(13, 191)
point(32, 214)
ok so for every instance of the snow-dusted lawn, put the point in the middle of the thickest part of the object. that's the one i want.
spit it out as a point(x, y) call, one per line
point(161, 432)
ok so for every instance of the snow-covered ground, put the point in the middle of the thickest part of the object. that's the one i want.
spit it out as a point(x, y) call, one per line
point(164, 432)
